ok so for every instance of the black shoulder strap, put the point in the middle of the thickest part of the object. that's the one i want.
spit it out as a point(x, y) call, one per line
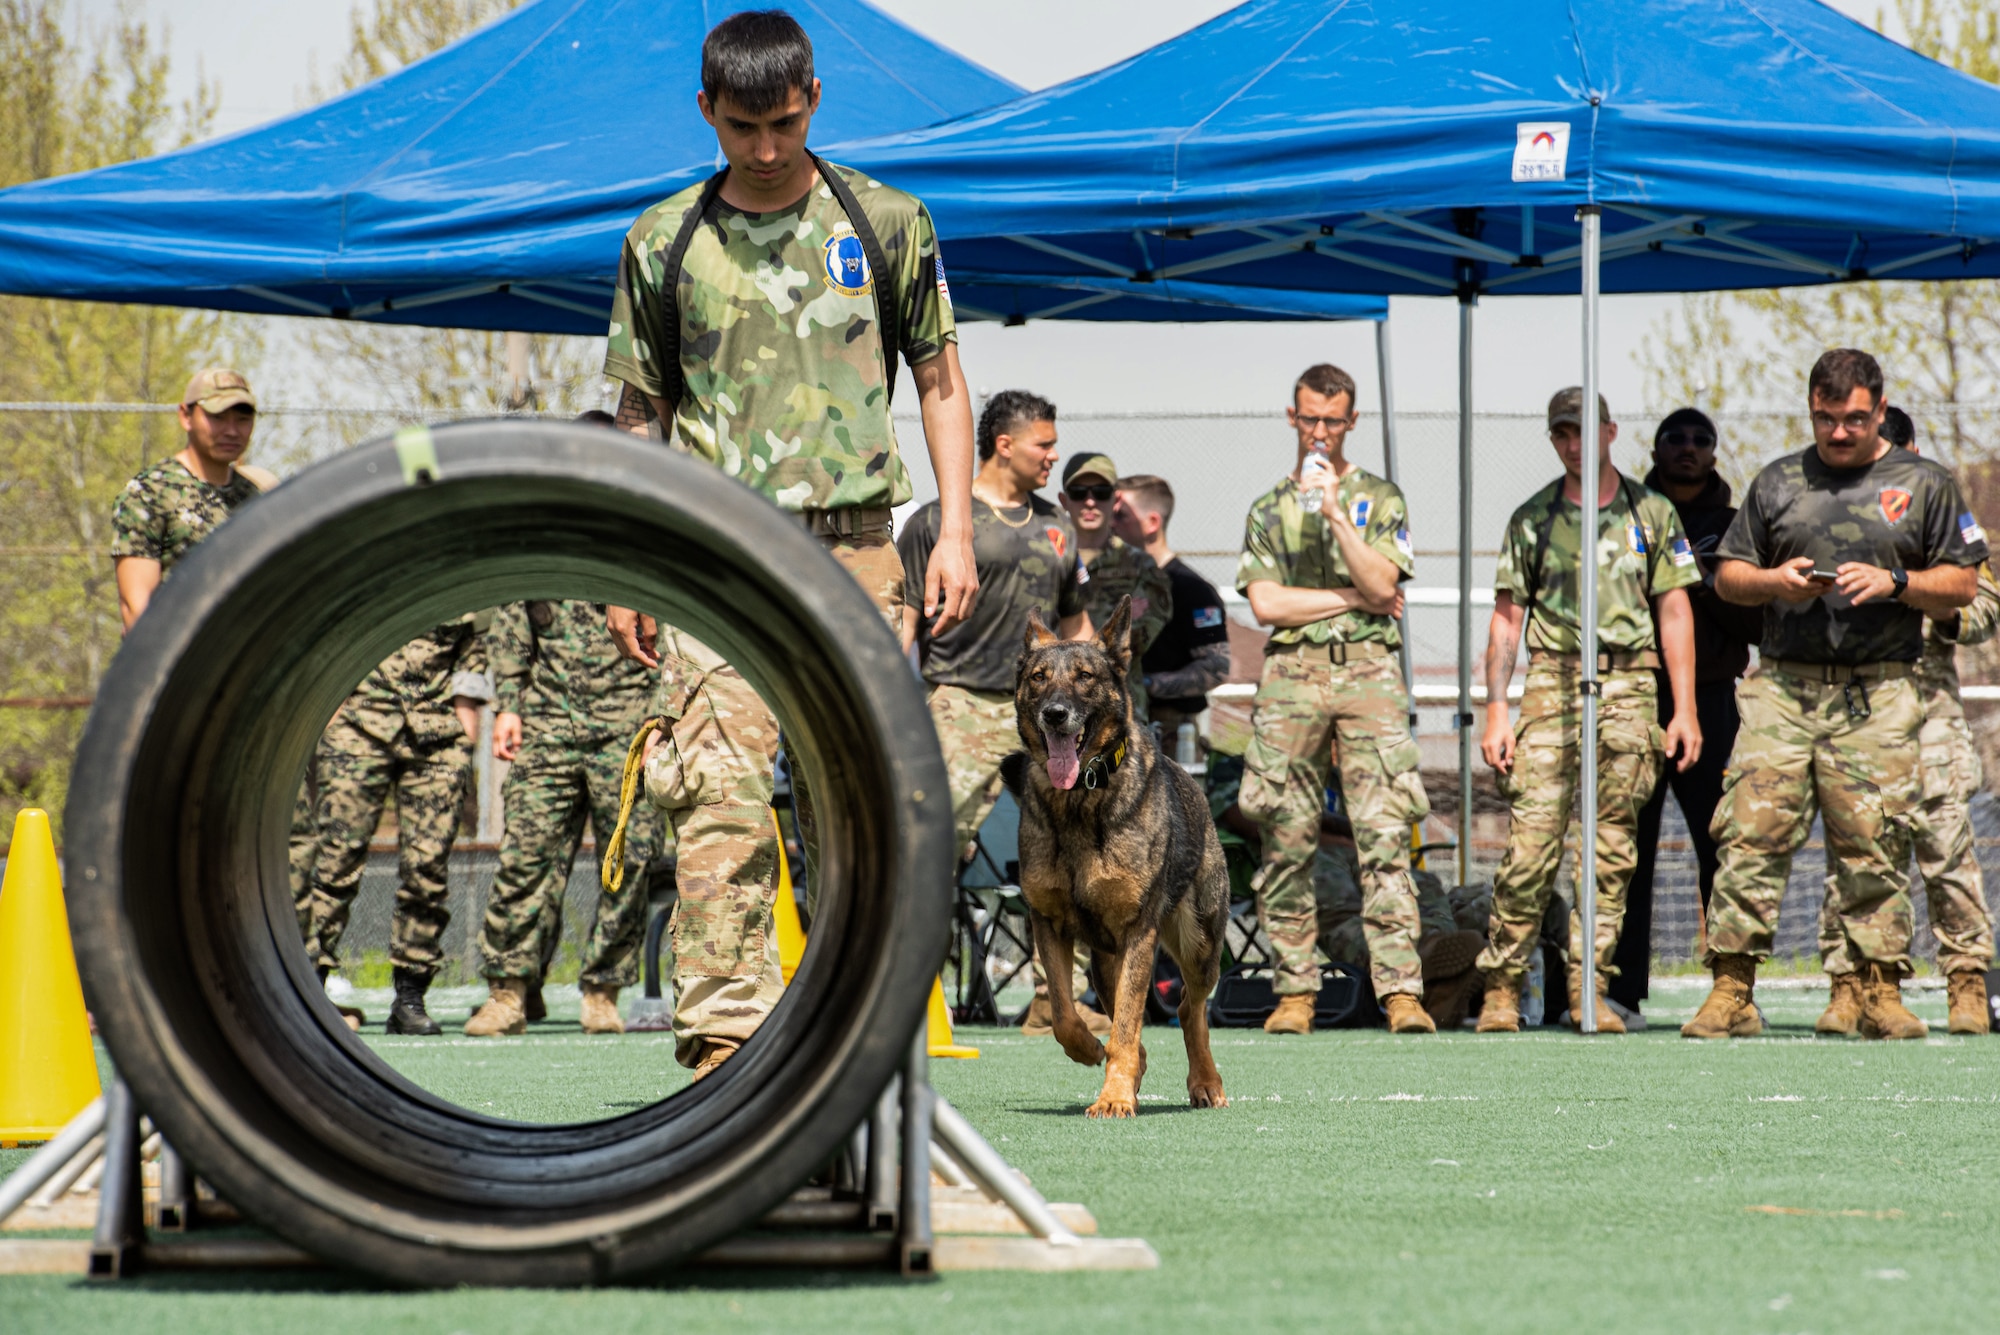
point(1542, 554)
point(671, 384)
point(888, 309)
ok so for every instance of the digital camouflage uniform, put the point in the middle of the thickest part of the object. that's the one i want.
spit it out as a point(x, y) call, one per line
point(397, 733)
point(1118, 569)
point(1311, 704)
point(1642, 553)
point(580, 702)
point(785, 388)
point(1941, 824)
point(166, 509)
point(1847, 750)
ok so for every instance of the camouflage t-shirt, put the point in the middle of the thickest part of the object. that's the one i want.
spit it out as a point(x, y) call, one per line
point(785, 386)
point(1286, 543)
point(166, 510)
point(1901, 510)
point(555, 665)
point(1642, 552)
point(1027, 561)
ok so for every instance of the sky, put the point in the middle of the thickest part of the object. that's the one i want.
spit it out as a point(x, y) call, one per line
point(265, 54)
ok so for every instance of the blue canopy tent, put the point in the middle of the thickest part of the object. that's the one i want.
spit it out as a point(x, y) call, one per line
point(1463, 147)
point(488, 186)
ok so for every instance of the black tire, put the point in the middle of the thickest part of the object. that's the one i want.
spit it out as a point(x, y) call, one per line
point(185, 930)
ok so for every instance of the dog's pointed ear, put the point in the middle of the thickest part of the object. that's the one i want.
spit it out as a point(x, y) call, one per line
point(1014, 772)
point(1039, 636)
point(1116, 636)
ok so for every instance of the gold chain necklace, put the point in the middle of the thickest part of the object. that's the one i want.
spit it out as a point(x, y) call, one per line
point(1022, 522)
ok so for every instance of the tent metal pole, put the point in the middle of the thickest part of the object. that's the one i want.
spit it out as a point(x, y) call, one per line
point(1465, 301)
point(1390, 471)
point(1588, 684)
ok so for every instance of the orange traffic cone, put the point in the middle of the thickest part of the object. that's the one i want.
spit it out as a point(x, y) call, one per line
point(48, 1068)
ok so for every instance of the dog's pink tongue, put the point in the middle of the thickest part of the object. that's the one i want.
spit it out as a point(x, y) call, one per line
point(1063, 766)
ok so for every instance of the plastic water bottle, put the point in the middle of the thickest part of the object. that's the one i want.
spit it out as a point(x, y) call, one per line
point(1184, 746)
point(1318, 465)
point(1534, 997)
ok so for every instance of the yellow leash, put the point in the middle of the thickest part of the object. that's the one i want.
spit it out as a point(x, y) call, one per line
point(612, 873)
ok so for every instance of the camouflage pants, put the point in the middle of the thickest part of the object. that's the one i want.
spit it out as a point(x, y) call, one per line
point(712, 778)
point(1306, 706)
point(1802, 752)
point(1337, 905)
point(1542, 790)
point(355, 775)
point(554, 784)
point(1941, 829)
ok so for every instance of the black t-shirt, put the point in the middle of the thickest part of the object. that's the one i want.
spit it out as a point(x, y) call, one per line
point(1027, 561)
point(1198, 620)
point(1901, 510)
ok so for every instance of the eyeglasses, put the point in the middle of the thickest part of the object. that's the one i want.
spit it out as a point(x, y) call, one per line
point(1330, 423)
point(1700, 440)
point(1101, 492)
point(1853, 421)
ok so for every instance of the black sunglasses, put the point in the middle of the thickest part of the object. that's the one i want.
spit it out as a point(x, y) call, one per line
point(1101, 492)
point(1701, 440)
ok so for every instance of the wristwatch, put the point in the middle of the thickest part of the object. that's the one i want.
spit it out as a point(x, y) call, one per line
point(1901, 577)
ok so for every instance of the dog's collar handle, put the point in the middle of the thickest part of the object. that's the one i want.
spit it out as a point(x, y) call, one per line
point(1103, 765)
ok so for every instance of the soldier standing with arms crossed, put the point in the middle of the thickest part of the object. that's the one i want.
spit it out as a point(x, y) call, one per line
point(1645, 565)
point(785, 385)
point(568, 705)
point(1941, 824)
point(1847, 545)
point(1323, 554)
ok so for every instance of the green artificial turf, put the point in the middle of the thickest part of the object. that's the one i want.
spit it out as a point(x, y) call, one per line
point(1357, 1182)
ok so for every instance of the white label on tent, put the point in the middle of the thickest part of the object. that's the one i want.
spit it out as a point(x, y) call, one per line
point(1541, 150)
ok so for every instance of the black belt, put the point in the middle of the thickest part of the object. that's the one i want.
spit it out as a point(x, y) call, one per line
point(854, 521)
point(1838, 674)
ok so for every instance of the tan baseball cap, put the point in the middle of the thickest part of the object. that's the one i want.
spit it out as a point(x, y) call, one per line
point(1100, 464)
point(1566, 408)
point(217, 389)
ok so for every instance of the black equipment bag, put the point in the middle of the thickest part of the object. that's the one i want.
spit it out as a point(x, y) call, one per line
point(1243, 998)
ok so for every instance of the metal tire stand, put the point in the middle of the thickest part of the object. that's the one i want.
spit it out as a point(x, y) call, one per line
point(909, 1134)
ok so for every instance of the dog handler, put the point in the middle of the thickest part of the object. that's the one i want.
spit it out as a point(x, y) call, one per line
point(1323, 554)
point(756, 325)
point(1942, 823)
point(1645, 566)
point(1832, 719)
point(1027, 561)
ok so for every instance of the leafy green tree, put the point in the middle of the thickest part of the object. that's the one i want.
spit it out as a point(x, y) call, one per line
point(67, 106)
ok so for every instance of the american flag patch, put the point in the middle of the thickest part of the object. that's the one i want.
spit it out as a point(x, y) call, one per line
point(1207, 618)
point(1968, 528)
point(1683, 554)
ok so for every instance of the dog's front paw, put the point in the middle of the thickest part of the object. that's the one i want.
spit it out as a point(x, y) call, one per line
point(1113, 1105)
point(1082, 1046)
point(1204, 1094)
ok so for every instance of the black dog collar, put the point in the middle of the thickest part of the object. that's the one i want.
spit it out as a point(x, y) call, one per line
point(1103, 765)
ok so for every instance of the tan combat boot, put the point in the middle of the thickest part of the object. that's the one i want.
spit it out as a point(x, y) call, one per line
point(600, 1010)
point(503, 1012)
point(1293, 1016)
point(1969, 1011)
point(1607, 1019)
point(1096, 1020)
point(1040, 1021)
point(1407, 1015)
point(714, 1052)
point(1729, 1011)
point(1883, 1014)
point(1500, 1013)
point(1843, 1011)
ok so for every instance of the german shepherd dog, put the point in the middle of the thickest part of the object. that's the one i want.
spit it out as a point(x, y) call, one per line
point(1117, 850)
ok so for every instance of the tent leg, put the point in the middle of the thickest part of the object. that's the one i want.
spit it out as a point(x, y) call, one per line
point(1390, 472)
point(1586, 880)
point(1465, 302)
